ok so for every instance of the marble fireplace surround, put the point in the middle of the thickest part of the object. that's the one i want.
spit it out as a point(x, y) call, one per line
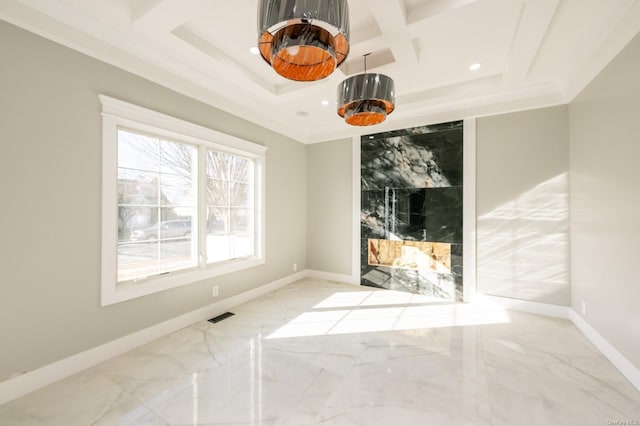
point(468, 214)
point(411, 188)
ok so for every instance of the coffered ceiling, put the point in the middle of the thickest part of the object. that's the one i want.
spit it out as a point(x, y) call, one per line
point(531, 53)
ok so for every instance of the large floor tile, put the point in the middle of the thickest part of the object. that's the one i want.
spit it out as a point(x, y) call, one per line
point(322, 353)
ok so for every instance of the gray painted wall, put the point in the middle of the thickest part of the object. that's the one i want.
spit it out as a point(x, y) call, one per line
point(329, 192)
point(605, 202)
point(522, 205)
point(50, 171)
point(51, 201)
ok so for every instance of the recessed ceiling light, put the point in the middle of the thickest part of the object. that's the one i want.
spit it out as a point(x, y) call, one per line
point(474, 67)
point(324, 103)
point(254, 50)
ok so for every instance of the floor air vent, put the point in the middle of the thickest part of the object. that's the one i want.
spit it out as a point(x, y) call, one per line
point(221, 317)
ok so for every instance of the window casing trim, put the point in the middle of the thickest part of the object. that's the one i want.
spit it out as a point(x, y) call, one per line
point(119, 114)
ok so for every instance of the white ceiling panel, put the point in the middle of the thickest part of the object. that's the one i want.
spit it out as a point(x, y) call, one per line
point(532, 53)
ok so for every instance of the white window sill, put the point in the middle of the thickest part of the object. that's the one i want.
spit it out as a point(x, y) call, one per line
point(130, 290)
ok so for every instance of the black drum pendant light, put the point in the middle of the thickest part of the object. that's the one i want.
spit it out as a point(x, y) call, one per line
point(366, 99)
point(303, 40)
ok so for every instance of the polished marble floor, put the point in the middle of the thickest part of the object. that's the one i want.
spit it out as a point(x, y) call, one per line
point(322, 353)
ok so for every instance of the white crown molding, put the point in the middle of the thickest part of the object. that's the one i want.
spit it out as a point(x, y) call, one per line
point(450, 108)
point(616, 40)
point(144, 61)
point(212, 81)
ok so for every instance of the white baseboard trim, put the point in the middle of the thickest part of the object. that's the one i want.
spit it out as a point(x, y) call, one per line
point(330, 276)
point(545, 309)
point(36, 379)
point(628, 370)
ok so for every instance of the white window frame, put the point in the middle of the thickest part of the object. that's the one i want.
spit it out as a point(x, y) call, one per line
point(118, 114)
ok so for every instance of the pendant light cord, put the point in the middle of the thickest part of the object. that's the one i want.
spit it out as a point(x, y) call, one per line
point(365, 61)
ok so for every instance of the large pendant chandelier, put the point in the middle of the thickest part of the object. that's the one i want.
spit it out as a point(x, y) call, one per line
point(366, 99)
point(303, 40)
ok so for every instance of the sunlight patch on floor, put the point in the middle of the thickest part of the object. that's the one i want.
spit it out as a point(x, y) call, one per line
point(377, 311)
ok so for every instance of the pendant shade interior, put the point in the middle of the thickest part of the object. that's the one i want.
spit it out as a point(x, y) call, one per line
point(303, 40)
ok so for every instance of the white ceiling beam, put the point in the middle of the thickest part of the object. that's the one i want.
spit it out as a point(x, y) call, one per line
point(162, 16)
point(222, 60)
point(534, 23)
point(433, 8)
point(620, 35)
point(140, 8)
point(392, 21)
point(365, 32)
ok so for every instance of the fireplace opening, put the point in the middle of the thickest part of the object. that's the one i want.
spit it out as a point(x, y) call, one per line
point(413, 255)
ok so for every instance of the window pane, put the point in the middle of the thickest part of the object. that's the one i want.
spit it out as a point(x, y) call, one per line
point(217, 193)
point(137, 188)
point(240, 220)
point(177, 190)
point(137, 259)
point(133, 219)
point(218, 164)
point(137, 152)
point(156, 204)
point(240, 169)
point(163, 246)
point(242, 245)
point(176, 254)
point(229, 206)
point(217, 221)
point(240, 195)
point(218, 248)
point(147, 231)
point(177, 158)
point(176, 223)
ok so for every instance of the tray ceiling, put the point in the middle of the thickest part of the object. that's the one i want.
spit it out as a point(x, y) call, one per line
point(532, 53)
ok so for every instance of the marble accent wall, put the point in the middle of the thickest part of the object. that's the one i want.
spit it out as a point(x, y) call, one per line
point(411, 183)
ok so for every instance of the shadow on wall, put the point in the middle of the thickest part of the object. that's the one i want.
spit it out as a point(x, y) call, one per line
point(523, 245)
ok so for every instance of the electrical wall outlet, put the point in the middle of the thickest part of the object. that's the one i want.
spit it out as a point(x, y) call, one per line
point(584, 308)
point(295, 267)
point(214, 291)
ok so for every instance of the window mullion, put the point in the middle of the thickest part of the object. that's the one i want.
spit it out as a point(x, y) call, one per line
point(230, 241)
point(252, 207)
point(202, 206)
point(159, 213)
